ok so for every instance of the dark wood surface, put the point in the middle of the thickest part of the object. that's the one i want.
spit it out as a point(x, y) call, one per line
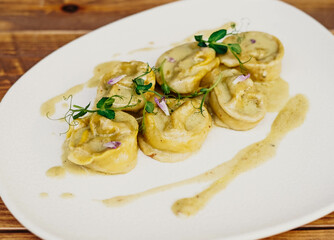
point(31, 29)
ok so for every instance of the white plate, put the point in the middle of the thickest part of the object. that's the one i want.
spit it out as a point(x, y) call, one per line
point(293, 188)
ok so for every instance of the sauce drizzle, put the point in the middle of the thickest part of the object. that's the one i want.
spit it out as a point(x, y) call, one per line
point(56, 172)
point(290, 117)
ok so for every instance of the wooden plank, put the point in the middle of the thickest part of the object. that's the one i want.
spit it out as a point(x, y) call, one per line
point(321, 234)
point(18, 235)
point(43, 15)
point(7, 220)
point(19, 51)
point(50, 14)
point(324, 222)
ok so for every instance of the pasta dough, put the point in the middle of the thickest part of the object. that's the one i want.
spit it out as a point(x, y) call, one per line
point(184, 66)
point(86, 143)
point(175, 137)
point(261, 51)
point(125, 87)
point(237, 105)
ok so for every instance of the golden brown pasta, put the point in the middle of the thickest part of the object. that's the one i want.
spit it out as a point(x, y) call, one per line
point(126, 71)
point(87, 143)
point(236, 104)
point(261, 51)
point(175, 137)
point(184, 66)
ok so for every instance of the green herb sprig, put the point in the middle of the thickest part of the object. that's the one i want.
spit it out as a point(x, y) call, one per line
point(141, 88)
point(203, 91)
point(206, 91)
point(220, 47)
point(104, 107)
point(166, 89)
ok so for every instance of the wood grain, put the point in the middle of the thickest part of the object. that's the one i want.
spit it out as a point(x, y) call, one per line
point(20, 50)
point(320, 234)
point(7, 221)
point(18, 235)
point(295, 235)
point(48, 14)
point(32, 29)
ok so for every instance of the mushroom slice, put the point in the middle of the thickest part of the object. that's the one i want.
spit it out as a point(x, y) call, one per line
point(236, 104)
point(175, 137)
point(184, 66)
point(117, 80)
point(261, 52)
point(104, 145)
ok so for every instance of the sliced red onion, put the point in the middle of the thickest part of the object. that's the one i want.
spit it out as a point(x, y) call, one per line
point(170, 59)
point(162, 105)
point(241, 78)
point(112, 144)
point(116, 79)
point(253, 41)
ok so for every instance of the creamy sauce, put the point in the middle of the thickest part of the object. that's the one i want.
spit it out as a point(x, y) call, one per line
point(65, 105)
point(145, 49)
point(56, 172)
point(43, 195)
point(49, 107)
point(210, 175)
point(99, 71)
point(116, 55)
point(275, 92)
point(290, 117)
point(67, 195)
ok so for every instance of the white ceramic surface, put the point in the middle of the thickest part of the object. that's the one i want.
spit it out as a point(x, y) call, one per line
point(293, 188)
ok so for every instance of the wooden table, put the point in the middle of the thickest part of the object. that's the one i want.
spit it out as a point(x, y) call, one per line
point(31, 29)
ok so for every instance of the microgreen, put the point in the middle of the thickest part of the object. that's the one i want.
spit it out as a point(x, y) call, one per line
point(220, 47)
point(148, 107)
point(104, 107)
point(139, 82)
point(206, 91)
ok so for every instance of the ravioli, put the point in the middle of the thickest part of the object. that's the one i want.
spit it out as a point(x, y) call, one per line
point(86, 143)
point(175, 137)
point(184, 66)
point(236, 104)
point(126, 71)
point(261, 51)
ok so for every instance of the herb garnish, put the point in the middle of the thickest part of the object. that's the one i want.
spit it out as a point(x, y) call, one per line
point(141, 88)
point(220, 47)
point(166, 89)
point(103, 108)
